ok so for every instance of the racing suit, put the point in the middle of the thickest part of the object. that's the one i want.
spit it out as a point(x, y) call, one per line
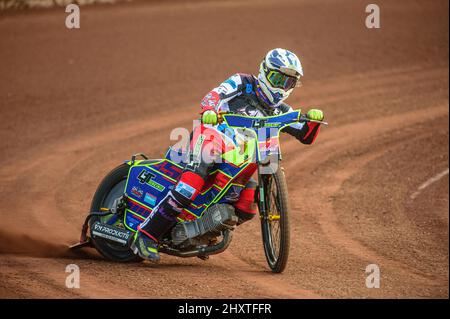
point(239, 94)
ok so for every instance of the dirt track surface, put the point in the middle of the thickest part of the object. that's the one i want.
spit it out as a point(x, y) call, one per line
point(75, 103)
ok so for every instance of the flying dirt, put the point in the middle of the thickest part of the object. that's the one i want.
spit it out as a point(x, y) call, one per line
point(372, 189)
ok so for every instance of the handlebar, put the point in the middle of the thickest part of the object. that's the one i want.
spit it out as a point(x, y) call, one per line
point(302, 118)
point(305, 118)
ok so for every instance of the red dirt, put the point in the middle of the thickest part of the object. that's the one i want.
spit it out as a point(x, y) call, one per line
point(77, 102)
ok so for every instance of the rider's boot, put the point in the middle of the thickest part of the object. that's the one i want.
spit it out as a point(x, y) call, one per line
point(145, 247)
point(152, 230)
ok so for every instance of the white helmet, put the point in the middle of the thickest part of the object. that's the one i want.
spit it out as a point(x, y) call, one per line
point(279, 73)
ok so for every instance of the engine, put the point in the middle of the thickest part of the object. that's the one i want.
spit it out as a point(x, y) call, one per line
point(216, 219)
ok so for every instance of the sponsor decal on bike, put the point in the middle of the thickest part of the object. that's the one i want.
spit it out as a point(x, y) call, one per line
point(145, 177)
point(110, 232)
point(258, 123)
point(185, 190)
point(150, 199)
point(136, 191)
point(156, 186)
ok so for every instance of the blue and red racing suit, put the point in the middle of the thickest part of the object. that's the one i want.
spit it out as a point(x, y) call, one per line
point(239, 94)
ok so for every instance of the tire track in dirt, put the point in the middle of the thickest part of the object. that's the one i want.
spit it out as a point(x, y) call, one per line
point(429, 182)
point(330, 183)
point(51, 283)
point(365, 131)
point(89, 145)
point(266, 281)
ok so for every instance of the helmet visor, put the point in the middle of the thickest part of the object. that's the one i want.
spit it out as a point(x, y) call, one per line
point(280, 80)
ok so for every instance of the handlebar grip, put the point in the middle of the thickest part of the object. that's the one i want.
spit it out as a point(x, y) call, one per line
point(304, 117)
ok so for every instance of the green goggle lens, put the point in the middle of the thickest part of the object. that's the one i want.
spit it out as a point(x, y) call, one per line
point(280, 80)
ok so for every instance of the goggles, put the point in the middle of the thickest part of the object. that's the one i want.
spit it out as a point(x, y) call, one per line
point(280, 80)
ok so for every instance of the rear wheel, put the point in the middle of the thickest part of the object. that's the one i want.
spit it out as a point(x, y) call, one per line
point(275, 222)
point(111, 188)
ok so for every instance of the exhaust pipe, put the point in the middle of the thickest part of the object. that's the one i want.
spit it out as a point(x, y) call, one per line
point(202, 251)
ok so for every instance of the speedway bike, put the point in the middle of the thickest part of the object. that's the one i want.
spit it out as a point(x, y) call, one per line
point(131, 191)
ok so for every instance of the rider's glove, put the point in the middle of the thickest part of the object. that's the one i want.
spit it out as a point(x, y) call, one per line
point(315, 114)
point(209, 117)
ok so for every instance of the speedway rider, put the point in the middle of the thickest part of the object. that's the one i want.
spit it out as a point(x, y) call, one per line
point(245, 94)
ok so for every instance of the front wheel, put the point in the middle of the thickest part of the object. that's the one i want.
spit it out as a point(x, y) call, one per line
point(111, 188)
point(275, 221)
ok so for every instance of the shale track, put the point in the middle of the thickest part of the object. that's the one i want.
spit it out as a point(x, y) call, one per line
point(75, 103)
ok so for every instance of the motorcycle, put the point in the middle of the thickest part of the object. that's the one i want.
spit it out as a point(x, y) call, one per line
point(131, 191)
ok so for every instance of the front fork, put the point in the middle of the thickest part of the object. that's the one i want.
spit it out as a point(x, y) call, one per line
point(261, 195)
point(263, 188)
